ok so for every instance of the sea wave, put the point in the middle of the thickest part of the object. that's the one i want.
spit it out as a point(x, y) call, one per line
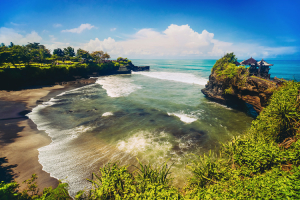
point(118, 86)
point(107, 114)
point(174, 76)
point(184, 117)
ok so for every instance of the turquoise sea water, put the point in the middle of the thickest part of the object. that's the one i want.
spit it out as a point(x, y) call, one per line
point(155, 116)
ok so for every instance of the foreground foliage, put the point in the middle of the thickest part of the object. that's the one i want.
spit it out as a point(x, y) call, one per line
point(263, 163)
point(9, 191)
point(114, 182)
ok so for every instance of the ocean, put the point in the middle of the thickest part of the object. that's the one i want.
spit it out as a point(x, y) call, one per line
point(155, 116)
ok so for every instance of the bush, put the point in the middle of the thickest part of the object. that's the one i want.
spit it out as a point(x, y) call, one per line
point(255, 166)
point(114, 182)
point(8, 191)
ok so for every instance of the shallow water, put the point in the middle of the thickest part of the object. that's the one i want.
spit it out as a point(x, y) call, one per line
point(154, 116)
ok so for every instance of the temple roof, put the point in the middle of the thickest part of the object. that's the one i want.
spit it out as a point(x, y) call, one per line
point(250, 61)
point(264, 63)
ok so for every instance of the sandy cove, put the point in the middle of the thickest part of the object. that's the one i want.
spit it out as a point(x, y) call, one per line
point(19, 137)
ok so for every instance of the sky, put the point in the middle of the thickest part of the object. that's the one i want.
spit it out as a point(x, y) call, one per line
point(157, 29)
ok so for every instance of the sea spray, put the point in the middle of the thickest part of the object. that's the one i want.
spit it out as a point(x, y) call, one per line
point(118, 85)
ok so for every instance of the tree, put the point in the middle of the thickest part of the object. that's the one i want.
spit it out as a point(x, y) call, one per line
point(97, 55)
point(69, 51)
point(34, 45)
point(58, 52)
point(83, 54)
point(11, 45)
point(105, 56)
point(16, 54)
point(4, 54)
point(44, 53)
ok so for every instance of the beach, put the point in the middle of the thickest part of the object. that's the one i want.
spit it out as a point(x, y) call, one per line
point(19, 136)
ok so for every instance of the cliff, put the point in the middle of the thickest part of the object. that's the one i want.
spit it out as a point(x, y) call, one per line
point(229, 84)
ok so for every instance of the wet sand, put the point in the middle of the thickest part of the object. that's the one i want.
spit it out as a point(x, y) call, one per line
point(19, 136)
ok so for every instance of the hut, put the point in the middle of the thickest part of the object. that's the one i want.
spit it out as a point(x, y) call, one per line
point(263, 69)
point(253, 66)
point(260, 68)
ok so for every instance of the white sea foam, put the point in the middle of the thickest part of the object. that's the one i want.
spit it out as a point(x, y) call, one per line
point(145, 141)
point(76, 90)
point(118, 86)
point(107, 114)
point(184, 117)
point(178, 77)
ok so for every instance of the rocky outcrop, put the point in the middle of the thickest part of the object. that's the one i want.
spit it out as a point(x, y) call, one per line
point(255, 91)
point(140, 68)
point(128, 68)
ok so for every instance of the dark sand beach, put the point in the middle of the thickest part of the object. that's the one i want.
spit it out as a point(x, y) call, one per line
point(19, 136)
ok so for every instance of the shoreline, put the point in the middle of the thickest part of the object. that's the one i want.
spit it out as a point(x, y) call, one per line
point(19, 137)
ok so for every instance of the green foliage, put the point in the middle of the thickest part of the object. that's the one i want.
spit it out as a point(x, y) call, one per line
point(97, 55)
point(254, 166)
point(8, 191)
point(281, 119)
point(83, 54)
point(59, 52)
point(222, 63)
point(69, 51)
point(229, 90)
point(226, 71)
point(49, 74)
point(114, 182)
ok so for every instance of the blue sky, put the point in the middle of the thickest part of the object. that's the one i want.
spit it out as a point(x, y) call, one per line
point(158, 29)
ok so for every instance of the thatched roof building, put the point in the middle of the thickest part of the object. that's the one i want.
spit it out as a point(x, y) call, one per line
point(263, 63)
point(250, 61)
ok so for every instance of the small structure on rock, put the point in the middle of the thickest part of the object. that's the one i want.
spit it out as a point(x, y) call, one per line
point(260, 69)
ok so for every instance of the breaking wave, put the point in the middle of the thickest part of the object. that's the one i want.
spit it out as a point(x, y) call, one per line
point(178, 77)
point(118, 86)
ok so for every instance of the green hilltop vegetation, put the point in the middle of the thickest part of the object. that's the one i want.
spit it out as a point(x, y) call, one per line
point(263, 163)
point(33, 64)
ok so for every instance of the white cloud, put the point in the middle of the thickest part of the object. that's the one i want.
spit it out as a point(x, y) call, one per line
point(81, 28)
point(180, 42)
point(52, 38)
point(15, 24)
point(8, 35)
point(57, 25)
point(113, 29)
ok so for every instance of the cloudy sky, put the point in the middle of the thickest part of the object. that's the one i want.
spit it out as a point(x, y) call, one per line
point(158, 29)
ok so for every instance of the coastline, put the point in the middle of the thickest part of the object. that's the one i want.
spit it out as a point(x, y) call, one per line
point(19, 137)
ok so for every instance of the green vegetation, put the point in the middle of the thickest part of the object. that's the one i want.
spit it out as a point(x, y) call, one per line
point(123, 61)
point(33, 64)
point(9, 191)
point(147, 182)
point(230, 74)
point(261, 164)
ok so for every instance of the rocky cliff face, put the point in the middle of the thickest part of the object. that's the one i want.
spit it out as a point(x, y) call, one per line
point(254, 91)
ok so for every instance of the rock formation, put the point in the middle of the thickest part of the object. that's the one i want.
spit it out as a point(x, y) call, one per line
point(233, 85)
point(254, 91)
